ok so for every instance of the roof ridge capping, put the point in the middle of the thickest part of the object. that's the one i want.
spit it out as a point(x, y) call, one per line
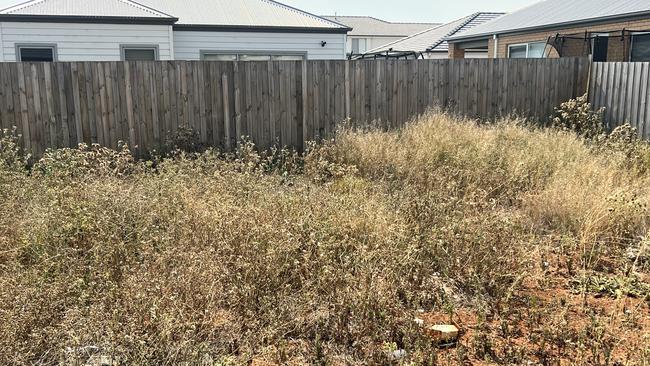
point(296, 10)
point(146, 8)
point(19, 6)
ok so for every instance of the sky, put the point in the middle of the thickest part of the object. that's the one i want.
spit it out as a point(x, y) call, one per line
point(436, 11)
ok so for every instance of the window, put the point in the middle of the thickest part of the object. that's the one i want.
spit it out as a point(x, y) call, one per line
point(139, 52)
point(252, 56)
point(518, 51)
point(218, 57)
point(527, 50)
point(36, 53)
point(640, 47)
point(600, 45)
point(359, 45)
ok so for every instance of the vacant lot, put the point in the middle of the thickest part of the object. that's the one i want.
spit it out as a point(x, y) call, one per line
point(532, 241)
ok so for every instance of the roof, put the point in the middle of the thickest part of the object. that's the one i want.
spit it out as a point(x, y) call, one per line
point(434, 39)
point(86, 8)
point(242, 14)
point(369, 26)
point(558, 13)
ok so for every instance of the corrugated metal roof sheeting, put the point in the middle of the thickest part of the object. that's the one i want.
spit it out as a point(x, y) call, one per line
point(434, 40)
point(558, 12)
point(87, 8)
point(254, 13)
point(369, 26)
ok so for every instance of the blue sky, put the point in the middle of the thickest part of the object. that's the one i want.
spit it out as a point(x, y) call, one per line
point(395, 10)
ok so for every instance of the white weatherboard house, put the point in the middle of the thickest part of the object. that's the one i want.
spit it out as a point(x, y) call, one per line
point(114, 30)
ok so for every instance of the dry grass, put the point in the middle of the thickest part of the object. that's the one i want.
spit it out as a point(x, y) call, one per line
point(327, 258)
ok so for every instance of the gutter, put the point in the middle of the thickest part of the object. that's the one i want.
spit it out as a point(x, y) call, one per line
point(572, 24)
point(85, 19)
point(254, 28)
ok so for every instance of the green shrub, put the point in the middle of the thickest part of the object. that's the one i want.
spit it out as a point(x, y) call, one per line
point(577, 115)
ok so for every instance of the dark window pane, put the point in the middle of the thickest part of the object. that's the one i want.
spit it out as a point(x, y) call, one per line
point(641, 48)
point(601, 44)
point(36, 54)
point(132, 54)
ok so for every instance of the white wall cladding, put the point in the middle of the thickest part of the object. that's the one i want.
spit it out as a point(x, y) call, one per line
point(84, 42)
point(189, 44)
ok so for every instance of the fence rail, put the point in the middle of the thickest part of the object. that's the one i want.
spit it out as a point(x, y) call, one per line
point(623, 89)
point(61, 104)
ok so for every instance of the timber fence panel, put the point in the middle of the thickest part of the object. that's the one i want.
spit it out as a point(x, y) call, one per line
point(145, 104)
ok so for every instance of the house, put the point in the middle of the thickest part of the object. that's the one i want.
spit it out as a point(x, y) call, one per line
point(113, 30)
point(369, 33)
point(431, 43)
point(604, 29)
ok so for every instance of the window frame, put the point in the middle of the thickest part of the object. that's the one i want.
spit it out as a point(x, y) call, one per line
point(632, 35)
point(52, 46)
point(238, 54)
point(527, 44)
point(595, 35)
point(154, 47)
point(359, 40)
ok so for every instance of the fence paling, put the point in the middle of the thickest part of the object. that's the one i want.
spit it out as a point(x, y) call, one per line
point(286, 102)
point(623, 89)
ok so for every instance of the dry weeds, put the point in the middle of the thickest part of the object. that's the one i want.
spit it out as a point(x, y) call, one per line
point(327, 258)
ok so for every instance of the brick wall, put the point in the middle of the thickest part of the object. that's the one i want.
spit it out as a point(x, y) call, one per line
point(618, 50)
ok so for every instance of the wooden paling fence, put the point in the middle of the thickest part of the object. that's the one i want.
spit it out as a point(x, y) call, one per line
point(623, 89)
point(63, 104)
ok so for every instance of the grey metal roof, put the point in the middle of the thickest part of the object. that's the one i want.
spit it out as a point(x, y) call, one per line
point(370, 26)
point(85, 8)
point(240, 13)
point(557, 13)
point(434, 39)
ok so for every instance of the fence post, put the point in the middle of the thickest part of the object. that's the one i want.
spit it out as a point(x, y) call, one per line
point(226, 112)
point(347, 89)
point(305, 132)
point(238, 126)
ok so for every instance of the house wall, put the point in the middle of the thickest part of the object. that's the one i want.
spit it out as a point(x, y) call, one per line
point(84, 42)
point(189, 44)
point(617, 50)
point(372, 42)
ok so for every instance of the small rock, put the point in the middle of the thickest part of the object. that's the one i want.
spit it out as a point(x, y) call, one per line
point(399, 354)
point(444, 333)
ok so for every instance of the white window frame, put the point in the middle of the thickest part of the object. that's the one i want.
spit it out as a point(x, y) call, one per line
point(359, 40)
point(238, 54)
point(629, 57)
point(125, 47)
point(527, 44)
point(52, 46)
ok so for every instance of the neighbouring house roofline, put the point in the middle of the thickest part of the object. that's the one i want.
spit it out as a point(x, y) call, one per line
point(268, 29)
point(347, 29)
point(85, 19)
point(584, 22)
